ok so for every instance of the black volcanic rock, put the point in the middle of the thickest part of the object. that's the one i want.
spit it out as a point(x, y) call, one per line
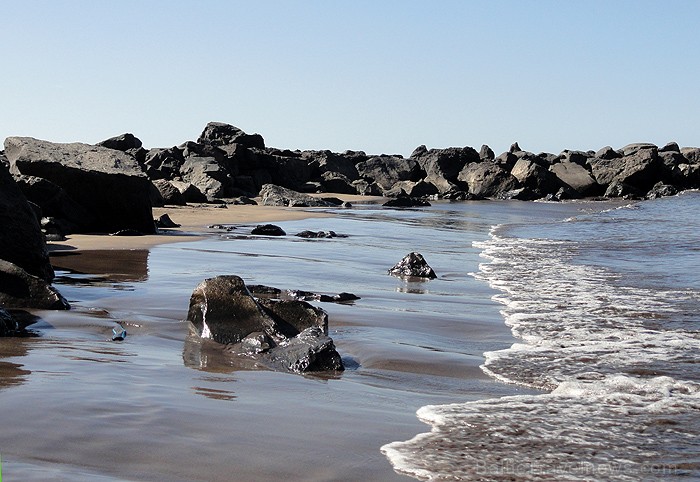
point(413, 265)
point(221, 134)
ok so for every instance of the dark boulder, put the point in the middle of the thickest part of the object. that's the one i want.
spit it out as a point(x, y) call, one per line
point(164, 221)
point(607, 153)
point(169, 193)
point(337, 183)
point(206, 174)
point(403, 200)
point(163, 163)
point(291, 335)
point(631, 149)
point(692, 154)
point(317, 234)
point(413, 265)
point(486, 153)
point(576, 157)
point(622, 190)
point(21, 240)
point(661, 190)
point(268, 230)
point(670, 147)
point(221, 134)
point(8, 325)
point(487, 179)
point(19, 289)
point(321, 162)
point(574, 175)
point(641, 169)
point(108, 184)
point(386, 171)
point(412, 189)
point(124, 142)
point(535, 177)
point(189, 192)
point(272, 195)
point(442, 166)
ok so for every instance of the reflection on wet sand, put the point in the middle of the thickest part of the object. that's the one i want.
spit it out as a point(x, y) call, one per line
point(114, 265)
point(11, 373)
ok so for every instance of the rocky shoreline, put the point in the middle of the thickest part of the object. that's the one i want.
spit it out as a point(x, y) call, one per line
point(49, 190)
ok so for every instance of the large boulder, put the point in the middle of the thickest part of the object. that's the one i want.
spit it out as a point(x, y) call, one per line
point(487, 179)
point(208, 175)
point(163, 163)
point(326, 161)
point(107, 183)
point(272, 195)
point(289, 334)
point(442, 166)
point(386, 171)
point(535, 177)
point(576, 176)
point(221, 134)
point(413, 265)
point(19, 289)
point(640, 168)
point(21, 241)
point(124, 142)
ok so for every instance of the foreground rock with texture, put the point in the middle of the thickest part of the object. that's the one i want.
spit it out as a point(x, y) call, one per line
point(286, 334)
point(19, 289)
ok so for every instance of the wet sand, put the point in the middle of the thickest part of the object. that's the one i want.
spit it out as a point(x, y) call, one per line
point(164, 405)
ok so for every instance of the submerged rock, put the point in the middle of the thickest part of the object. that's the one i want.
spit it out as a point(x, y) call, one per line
point(291, 334)
point(268, 230)
point(413, 265)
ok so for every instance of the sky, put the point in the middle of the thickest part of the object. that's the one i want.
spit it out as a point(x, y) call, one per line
point(382, 76)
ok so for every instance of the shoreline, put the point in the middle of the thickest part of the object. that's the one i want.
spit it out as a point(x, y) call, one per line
point(194, 221)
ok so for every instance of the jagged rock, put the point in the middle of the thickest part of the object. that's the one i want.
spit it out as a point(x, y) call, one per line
point(535, 177)
point(386, 171)
point(19, 289)
point(412, 189)
point(486, 153)
point(487, 179)
point(405, 201)
point(443, 166)
point(108, 184)
point(21, 240)
point(169, 192)
point(366, 188)
point(576, 176)
point(287, 334)
point(164, 221)
point(321, 162)
point(576, 157)
point(640, 169)
point(163, 163)
point(189, 192)
point(317, 234)
point(124, 142)
point(631, 149)
point(620, 189)
point(273, 195)
point(338, 183)
point(521, 194)
point(660, 190)
point(607, 153)
point(692, 154)
point(268, 230)
point(207, 175)
point(670, 147)
point(222, 134)
point(413, 265)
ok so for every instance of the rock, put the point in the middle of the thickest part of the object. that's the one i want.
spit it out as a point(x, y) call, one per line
point(575, 157)
point(442, 166)
point(620, 189)
point(337, 183)
point(123, 143)
point(413, 265)
point(164, 221)
point(163, 163)
point(521, 194)
point(309, 351)
point(207, 175)
point(287, 334)
point(222, 134)
point(223, 310)
point(405, 201)
point(607, 153)
point(366, 188)
point(386, 171)
point(692, 154)
point(641, 169)
point(670, 147)
point(273, 195)
point(19, 289)
point(169, 192)
point(292, 317)
point(486, 153)
point(487, 179)
point(8, 325)
point(576, 176)
point(106, 183)
point(514, 147)
point(321, 162)
point(21, 240)
point(661, 190)
point(631, 149)
point(316, 234)
point(189, 192)
point(535, 177)
point(268, 230)
point(412, 189)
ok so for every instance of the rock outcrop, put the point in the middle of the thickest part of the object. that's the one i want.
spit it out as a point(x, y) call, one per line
point(19, 289)
point(413, 265)
point(286, 334)
point(107, 184)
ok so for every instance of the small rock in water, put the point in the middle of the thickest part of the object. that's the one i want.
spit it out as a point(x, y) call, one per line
point(268, 230)
point(165, 222)
point(118, 333)
point(413, 265)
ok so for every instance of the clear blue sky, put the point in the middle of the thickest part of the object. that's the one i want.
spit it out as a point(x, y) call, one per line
point(376, 75)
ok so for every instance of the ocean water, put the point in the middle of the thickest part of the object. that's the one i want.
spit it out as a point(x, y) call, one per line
point(557, 342)
point(604, 307)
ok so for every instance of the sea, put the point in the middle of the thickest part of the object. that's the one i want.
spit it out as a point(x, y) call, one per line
point(558, 342)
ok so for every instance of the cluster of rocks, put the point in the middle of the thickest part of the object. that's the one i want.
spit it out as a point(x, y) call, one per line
point(112, 186)
point(282, 333)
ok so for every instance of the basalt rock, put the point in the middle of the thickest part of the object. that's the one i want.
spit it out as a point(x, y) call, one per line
point(386, 171)
point(574, 175)
point(443, 166)
point(487, 179)
point(273, 195)
point(21, 240)
point(413, 265)
point(291, 335)
point(106, 183)
point(169, 193)
point(268, 230)
point(221, 134)
point(19, 289)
